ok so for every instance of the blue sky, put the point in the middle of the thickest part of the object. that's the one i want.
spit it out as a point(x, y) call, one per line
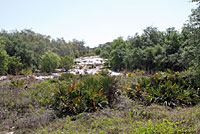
point(94, 21)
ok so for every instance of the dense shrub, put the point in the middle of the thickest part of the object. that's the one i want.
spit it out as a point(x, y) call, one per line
point(67, 62)
point(14, 65)
point(66, 76)
point(104, 54)
point(49, 61)
point(72, 94)
point(170, 89)
point(86, 94)
point(42, 93)
point(27, 71)
point(3, 60)
point(97, 51)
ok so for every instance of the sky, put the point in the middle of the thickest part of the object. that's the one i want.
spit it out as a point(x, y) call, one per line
point(93, 21)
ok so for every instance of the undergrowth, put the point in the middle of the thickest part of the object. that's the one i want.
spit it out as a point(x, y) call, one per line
point(75, 94)
point(170, 89)
point(87, 104)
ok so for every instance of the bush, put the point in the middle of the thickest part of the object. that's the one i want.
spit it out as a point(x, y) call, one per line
point(14, 65)
point(104, 54)
point(26, 71)
point(67, 62)
point(4, 60)
point(17, 83)
point(97, 51)
point(87, 94)
point(168, 89)
point(49, 61)
point(66, 76)
point(72, 94)
point(42, 93)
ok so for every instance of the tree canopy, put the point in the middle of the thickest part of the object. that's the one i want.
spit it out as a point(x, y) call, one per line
point(156, 50)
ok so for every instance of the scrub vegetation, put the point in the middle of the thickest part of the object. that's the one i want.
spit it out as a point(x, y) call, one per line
point(158, 91)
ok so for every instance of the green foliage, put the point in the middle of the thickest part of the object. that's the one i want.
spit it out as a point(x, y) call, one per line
point(97, 51)
point(104, 54)
point(30, 46)
point(168, 89)
point(155, 50)
point(75, 94)
point(105, 51)
point(66, 76)
point(14, 65)
point(162, 128)
point(49, 61)
point(77, 54)
point(119, 121)
point(42, 93)
point(26, 71)
point(17, 83)
point(3, 60)
point(104, 72)
point(78, 48)
point(85, 94)
point(67, 62)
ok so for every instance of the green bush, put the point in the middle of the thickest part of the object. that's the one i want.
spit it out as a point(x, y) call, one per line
point(66, 76)
point(43, 93)
point(89, 54)
point(14, 65)
point(170, 89)
point(49, 61)
point(4, 60)
point(17, 83)
point(72, 94)
point(67, 62)
point(86, 94)
point(97, 51)
point(26, 71)
point(104, 54)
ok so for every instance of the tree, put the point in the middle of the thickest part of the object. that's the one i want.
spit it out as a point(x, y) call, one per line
point(30, 46)
point(3, 60)
point(49, 61)
point(14, 65)
point(149, 58)
point(108, 49)
point(117, 54)
point(67, 62)
point(97, 51)
point(133, 59)
point(104, 54)
point(192, 28)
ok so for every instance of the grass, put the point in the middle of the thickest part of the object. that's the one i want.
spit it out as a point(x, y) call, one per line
point(28, 106)
point(150, 119)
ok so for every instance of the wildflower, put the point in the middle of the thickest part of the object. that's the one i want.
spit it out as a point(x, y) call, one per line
point(76, 99)
point(157, 73)
point(139, 89)
point(98, 72)
point(127, 87)
point(71, 88)
point(129, 73)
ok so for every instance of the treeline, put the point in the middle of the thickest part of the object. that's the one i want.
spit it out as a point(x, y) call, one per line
point(156, 50)
point(24, 49)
